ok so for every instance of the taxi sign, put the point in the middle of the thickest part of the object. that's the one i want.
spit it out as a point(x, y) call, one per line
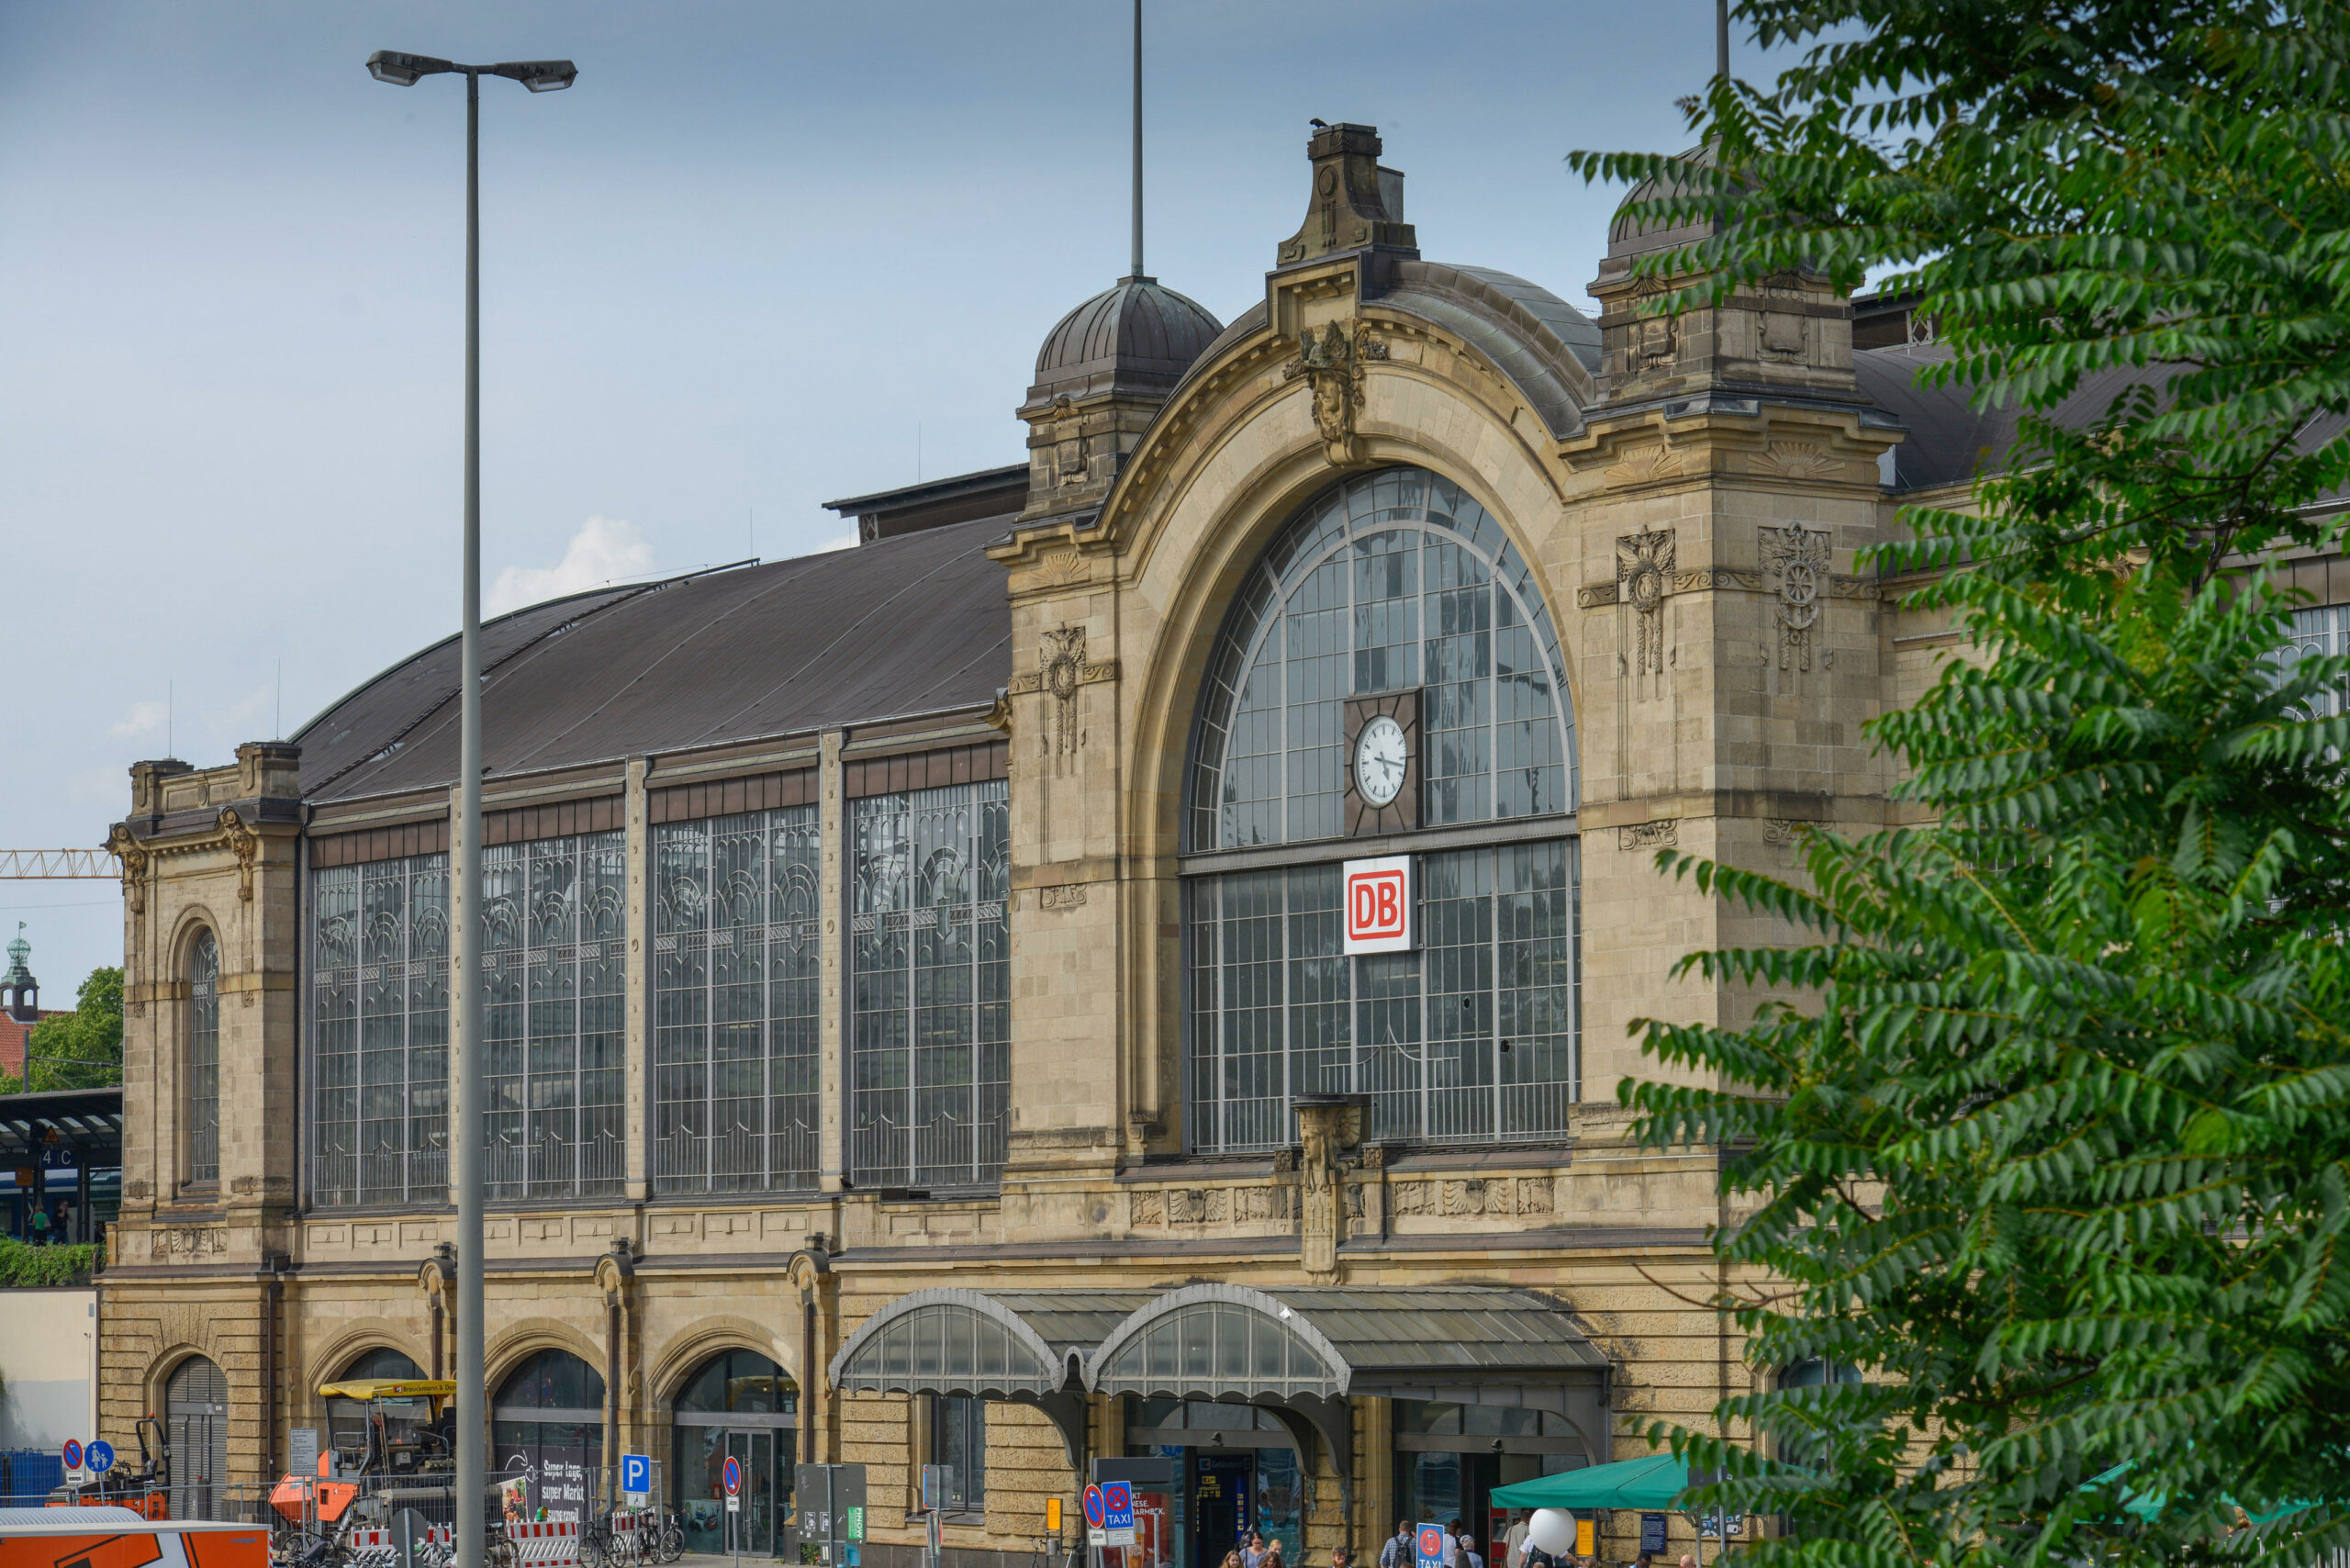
point(100, 1456)
point(1117, 1505)
point(731, 1475)
point(1427, 1547)
point(73, 1453)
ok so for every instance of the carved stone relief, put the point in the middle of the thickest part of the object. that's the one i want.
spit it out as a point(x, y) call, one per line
point(1661, 835)
point(1643, 577)
point(1654, 340)
point(1062, 668)
point(1796, 560)
point(134, 866)
point(1068, 895)
point(243, 842)
point(1332, 361)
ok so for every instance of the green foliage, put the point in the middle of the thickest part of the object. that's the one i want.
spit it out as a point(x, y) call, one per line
point(22, 1266)
point(2046, 1116)
point(89, 1039)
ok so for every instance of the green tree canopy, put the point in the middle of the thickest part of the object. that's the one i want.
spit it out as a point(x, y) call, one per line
point(81, 1050)
point(2044, 1117)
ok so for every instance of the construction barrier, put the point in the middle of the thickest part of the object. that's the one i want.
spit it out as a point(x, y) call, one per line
point(546, 1545)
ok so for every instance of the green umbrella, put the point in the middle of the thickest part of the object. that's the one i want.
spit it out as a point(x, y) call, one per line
point(1651, 1484)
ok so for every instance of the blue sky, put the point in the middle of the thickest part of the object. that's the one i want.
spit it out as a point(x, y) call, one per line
point(759, 257)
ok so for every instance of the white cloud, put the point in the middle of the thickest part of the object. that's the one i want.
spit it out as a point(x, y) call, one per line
point(142, 718)
point(604, 550)
point(845, 541)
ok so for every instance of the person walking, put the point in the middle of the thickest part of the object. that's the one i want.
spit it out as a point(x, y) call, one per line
point(1253, 1554)
point(1469, 1556)
point(1397, 1553)
point(41, 1224)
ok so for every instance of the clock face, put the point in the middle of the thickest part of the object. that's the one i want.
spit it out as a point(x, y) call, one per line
point(1379, 755)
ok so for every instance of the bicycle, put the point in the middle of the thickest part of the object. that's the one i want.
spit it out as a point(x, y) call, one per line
point(669, 1542)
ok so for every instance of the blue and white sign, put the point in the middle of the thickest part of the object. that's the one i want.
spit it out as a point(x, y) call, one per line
point(1117, 1505)
point(1427, 1547)
point(636, 1476)
point(100, 1456)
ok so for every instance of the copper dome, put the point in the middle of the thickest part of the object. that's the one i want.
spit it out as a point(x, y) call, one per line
point(1138, 336)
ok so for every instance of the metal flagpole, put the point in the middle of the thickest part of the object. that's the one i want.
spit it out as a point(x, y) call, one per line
point(472, 1413)
point(1135, 270)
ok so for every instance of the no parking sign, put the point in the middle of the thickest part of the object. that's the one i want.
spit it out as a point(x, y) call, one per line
point(1427, 1547)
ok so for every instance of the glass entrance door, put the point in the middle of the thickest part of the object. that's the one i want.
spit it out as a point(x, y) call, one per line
point(709, 1527)
point(754, 1526)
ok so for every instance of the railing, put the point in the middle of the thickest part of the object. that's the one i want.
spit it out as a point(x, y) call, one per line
point(28, 1476)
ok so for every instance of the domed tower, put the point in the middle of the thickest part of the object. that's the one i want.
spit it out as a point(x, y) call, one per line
point(1788, 333)
point(1105, 370)
point(1101, 376)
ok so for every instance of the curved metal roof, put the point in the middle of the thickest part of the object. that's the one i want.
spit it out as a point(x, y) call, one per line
point(906, 626)
point(980, 1344)
point(1139, 336)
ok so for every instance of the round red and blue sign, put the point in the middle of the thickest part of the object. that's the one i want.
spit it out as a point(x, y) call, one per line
point(731, 1475)
point(1096, 1510)
point(73, 1453)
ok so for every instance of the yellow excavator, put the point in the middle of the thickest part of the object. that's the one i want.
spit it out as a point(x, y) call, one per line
point(401, 1455)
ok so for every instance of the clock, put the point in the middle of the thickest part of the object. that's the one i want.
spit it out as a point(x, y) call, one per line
point(1382, 763)
point(1380, 755)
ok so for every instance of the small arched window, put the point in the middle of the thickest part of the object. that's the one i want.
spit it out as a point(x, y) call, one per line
point(203, 1059)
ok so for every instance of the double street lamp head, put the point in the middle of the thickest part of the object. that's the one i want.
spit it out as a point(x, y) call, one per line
point(408, 70)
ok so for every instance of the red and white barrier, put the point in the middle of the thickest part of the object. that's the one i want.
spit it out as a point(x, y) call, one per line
point(546, 1545)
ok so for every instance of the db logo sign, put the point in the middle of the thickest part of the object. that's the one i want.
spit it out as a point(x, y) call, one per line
point(1379, 905)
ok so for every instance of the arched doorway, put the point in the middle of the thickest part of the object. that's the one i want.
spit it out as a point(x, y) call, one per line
point(347, 1419)
point(739, 1404)
point(195, 1414)
point(547, 1423)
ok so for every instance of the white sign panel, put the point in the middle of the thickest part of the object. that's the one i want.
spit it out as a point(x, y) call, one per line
point(1380, 900)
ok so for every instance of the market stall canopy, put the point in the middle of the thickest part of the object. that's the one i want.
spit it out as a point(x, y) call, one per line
point(1648, 1485)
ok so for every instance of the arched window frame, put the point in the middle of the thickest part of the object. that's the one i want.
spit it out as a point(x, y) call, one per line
point(200, 1059)
point(1475, 1035)
point(1349, 514)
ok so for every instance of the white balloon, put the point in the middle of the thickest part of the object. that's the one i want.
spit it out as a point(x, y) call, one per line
point(1552, 1530)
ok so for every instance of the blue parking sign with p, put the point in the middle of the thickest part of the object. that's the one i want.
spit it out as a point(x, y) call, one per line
point(636, 1473)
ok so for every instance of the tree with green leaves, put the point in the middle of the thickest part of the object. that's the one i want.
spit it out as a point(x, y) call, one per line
point(2043, 1118)
point(81, 1050)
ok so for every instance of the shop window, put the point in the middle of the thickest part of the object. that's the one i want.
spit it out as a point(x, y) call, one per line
point(959, 1441)
point(547, 1426)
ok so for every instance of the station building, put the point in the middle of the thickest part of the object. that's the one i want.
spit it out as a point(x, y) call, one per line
point(919, 1023)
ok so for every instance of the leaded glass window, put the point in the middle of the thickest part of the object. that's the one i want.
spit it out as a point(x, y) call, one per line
point(1391, 581)
point(554, 962)
point(379, 1019)
point(203, 1059)
point(1474, 1038)
point(930, 967)
point(736, 948)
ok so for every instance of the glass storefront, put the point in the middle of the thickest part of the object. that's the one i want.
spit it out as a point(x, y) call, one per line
point(1237, 1471)
point(1449, 1458)
point(739, 1405)
point(547, 1425)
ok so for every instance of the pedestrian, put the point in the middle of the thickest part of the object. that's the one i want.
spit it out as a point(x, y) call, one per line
point(1469, 1556)
point(1341, 1558)
point(1514, 1557)
point(1452, 1542)
point(1687, 1560)
point(1274, 1553)
point(41, 1224)
point(1397, 1553)
point(1253, 1554)
point(1232, 1558)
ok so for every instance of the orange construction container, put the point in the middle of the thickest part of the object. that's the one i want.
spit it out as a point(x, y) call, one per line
point(118, 1537)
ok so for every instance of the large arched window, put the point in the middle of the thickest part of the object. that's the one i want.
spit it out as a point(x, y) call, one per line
point(1393, 593)
point(203, 1059)
point(1392, 582)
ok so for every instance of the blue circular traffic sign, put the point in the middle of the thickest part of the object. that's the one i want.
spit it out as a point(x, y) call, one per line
point(100, 1456)
point(731, 1475)
point(1096, 1511)
point(73, 1453)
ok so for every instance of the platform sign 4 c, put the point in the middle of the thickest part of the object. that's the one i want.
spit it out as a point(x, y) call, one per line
point(1379, 897)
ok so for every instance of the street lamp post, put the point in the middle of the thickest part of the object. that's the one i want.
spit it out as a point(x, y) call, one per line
point(472, 1405)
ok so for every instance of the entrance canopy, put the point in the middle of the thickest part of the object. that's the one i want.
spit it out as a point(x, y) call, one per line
point(980, 1344)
